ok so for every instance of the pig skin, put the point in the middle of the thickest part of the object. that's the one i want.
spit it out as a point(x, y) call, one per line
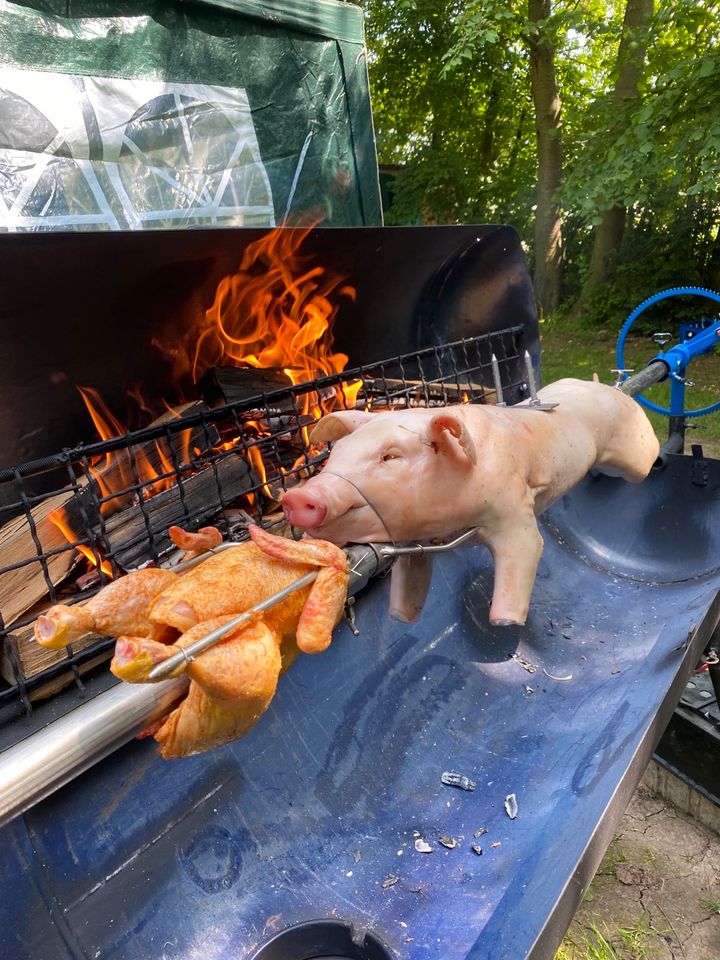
point(424, 475)
point(154, 613)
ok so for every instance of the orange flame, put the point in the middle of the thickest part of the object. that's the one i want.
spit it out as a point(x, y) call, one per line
point(277, 311)
point(57, 517)
point(118, 478)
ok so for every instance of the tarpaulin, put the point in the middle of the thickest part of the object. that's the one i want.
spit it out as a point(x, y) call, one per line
point(141, 114)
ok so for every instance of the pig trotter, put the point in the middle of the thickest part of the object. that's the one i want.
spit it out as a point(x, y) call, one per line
point(516, 553)
point(409, 584)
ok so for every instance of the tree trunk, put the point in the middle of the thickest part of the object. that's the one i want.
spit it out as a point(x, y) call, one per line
point(548, 230)
point(611, 229)
point(487, 138)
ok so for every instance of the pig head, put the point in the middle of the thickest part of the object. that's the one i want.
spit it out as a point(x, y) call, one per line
point(424, 474)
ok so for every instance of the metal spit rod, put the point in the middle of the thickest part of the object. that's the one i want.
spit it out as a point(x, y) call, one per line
point(654, 372)
point(45, 761)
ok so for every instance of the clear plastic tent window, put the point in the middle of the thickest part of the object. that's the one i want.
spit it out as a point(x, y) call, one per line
point(112, 153)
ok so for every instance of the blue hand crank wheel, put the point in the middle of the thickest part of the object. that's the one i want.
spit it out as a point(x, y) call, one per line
point(677, 385)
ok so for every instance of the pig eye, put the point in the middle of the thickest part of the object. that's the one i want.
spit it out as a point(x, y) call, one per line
point(390, 455)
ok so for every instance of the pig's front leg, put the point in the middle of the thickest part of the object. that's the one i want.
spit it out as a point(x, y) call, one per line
point(409, 584)
point(516, 551)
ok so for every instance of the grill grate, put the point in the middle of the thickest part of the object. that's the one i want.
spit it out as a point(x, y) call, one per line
point(211, 463)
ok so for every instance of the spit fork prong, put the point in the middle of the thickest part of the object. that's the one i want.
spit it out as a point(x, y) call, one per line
point(535, 402)
point(499, 399)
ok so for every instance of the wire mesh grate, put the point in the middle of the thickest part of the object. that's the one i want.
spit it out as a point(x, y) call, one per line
point(98, 510)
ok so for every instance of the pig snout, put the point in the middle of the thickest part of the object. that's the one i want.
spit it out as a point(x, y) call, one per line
point(304, 507)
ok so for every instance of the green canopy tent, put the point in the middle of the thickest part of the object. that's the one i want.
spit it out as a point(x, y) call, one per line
point(140, 114)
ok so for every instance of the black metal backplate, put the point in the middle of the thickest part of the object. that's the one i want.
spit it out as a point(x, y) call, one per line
point(85, 309)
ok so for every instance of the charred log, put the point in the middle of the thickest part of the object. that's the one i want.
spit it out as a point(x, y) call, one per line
point(221, 385)
point(138, 534)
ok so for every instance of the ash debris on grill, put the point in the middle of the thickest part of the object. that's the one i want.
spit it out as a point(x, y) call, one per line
point(524, 663)
point(450, 842)
point(421, 844)
point(458, 780)
point(561, 679)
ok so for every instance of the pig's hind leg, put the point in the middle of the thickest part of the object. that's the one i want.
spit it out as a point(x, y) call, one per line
point(516, 552)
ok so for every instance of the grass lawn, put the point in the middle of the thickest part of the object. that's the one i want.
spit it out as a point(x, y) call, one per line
point(573, 351)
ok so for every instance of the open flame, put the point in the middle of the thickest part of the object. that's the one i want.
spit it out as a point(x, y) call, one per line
point(116, 475)
point(120, 478)
point(277, 311)
point(58, 518)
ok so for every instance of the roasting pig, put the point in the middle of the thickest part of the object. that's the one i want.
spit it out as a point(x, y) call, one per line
point(155, 613)
point(424, 474)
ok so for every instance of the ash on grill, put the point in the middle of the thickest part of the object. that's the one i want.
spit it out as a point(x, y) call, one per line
point(99, 510)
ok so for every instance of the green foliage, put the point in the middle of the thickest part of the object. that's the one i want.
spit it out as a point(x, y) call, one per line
point(627, 943)
point(452, 105)
point(588, 946)
point(453, 109)
point(572, 350)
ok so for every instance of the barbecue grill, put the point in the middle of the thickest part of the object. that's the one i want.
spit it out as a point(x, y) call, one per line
point(437, 790)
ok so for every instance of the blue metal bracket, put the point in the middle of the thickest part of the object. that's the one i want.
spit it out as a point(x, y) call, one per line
point(696, 339)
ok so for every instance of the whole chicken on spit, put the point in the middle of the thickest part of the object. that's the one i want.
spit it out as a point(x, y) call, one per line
point(155, 612)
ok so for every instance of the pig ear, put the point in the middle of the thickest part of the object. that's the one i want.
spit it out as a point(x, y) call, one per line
point(455, 426)
point(337, 425)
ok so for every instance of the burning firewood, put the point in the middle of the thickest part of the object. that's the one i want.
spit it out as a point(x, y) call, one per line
point(141, 533)
point(36, 549)
point(221, 385)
